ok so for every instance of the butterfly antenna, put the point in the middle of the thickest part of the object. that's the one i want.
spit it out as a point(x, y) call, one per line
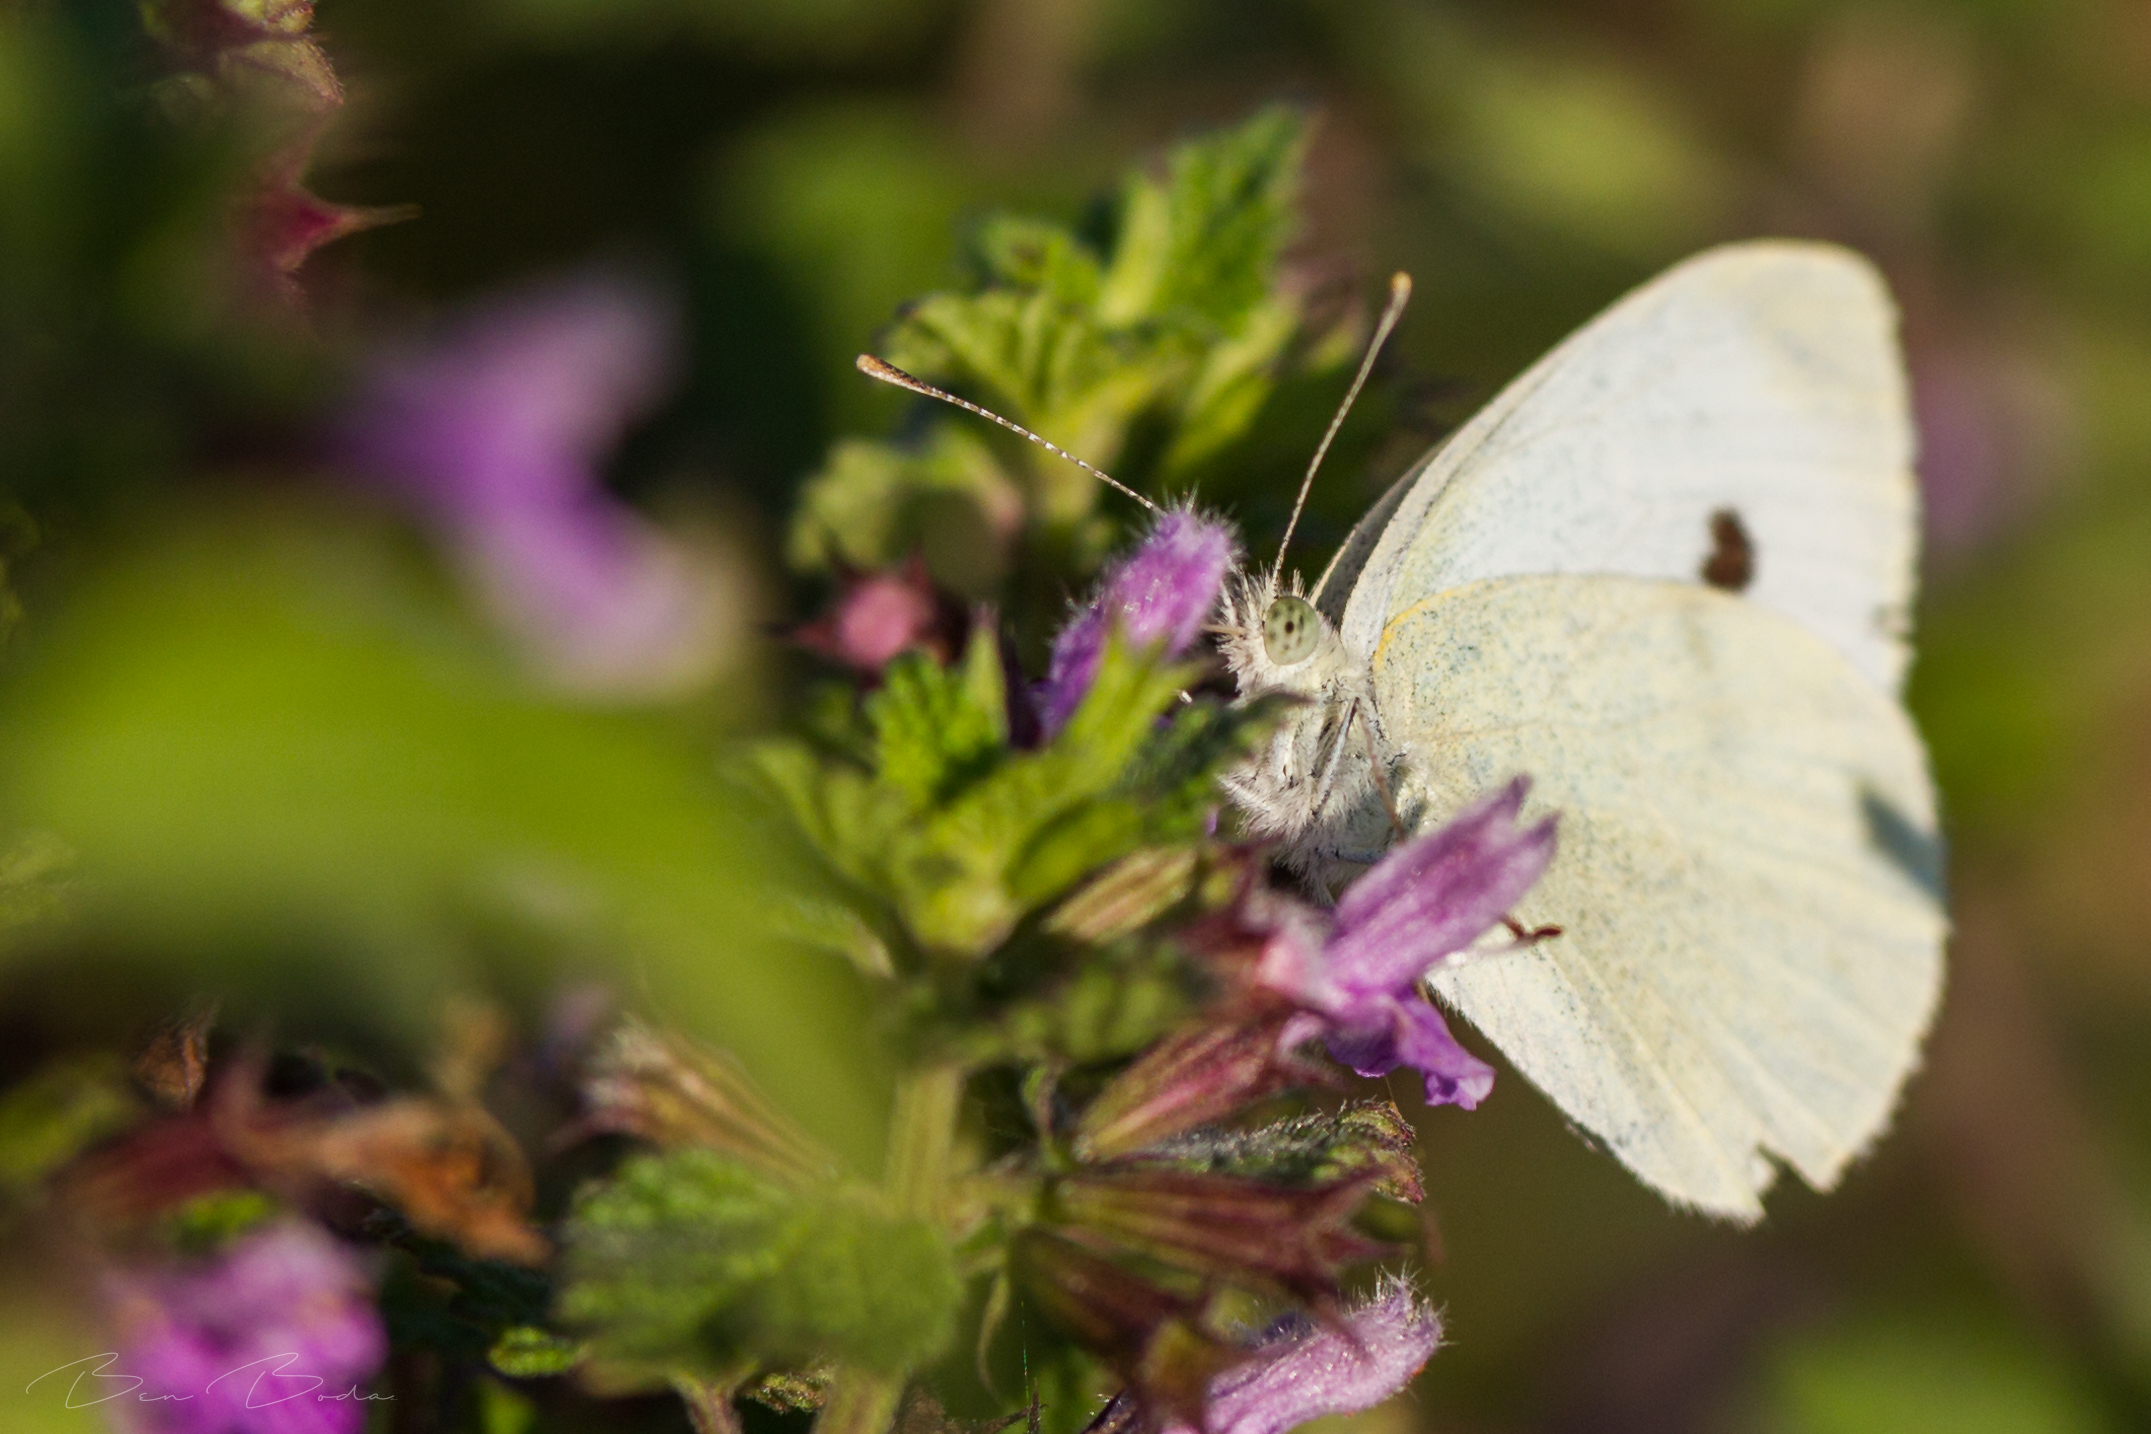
point(1400, 294)
point(889, 373)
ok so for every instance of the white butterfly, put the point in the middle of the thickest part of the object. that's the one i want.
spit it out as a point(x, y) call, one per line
point(1668, 574)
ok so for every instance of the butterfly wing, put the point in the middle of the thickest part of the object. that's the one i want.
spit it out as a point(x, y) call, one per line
point(1759, 381)
point(1747, 880)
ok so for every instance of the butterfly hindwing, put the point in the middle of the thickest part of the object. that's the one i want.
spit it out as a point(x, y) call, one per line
point(1746, 878)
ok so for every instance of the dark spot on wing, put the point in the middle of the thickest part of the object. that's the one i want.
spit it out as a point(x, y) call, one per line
point(1731, 564)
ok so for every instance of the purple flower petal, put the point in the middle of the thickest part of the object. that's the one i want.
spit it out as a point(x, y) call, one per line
point(1434, 895)
point(1414, 1034)
point(1160, 593)
point(1355, 977)
point(495, 434)
point(256, 1341)
point(1303, 1370)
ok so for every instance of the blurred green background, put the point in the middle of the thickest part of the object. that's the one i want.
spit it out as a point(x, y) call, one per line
point(793, 171)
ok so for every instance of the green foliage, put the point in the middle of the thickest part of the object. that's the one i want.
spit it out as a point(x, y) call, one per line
point(937, 730)
point(946, 496)
point(528, 1351)
point(1201, 243)
point(1111, 1005)
point(689, 1261)
point(55, 1115)
point(1181, 324)
point(208, 1223)
point(952, 837)
point(261, 736)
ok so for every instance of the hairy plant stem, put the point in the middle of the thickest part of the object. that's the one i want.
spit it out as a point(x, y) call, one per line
point(709, 1406)
point(922, 1138)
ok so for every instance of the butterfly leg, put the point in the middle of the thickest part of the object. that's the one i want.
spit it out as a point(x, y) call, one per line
point(1381, 784)
point(1330, 769)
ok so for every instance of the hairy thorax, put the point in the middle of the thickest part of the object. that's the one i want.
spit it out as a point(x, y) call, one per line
point(1320, 786)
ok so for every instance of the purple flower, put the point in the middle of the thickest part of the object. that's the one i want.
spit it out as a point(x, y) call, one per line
point(273, 1336)
point(495, 433)
point(1355, 973)
point(1160, 593)
point(1302, 1370)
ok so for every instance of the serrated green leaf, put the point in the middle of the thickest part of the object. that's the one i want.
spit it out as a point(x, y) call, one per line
point(691, 1261)
point(956, 837)
point(1035, 255)
point(957, 871)
point(1183, 327)
point(1047, 364)
point(1204, 240)
point(936, 730)
point(1236, 378)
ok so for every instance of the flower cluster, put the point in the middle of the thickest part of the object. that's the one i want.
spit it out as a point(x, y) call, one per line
point(1161, 1191)
point(277, 1334)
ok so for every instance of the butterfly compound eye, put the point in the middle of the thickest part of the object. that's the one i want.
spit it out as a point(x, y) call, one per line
point(1290, 631)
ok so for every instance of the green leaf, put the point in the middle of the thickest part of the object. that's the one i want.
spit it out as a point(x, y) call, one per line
point(955, 838)
point(1184, 326)
point(691, 1261)
point(1108, 1008)
point(1073, 847)
point(267, 737)
point(1203, 242)
point(1175, 774)
point(1236, 378)
point(1034, 358)
point(937, 730)
point(873, 504)
point(528, 1351)
point(964, 877)
point(1041, 257)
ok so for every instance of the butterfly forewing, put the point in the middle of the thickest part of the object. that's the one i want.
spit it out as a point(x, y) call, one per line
point(1757, 382)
